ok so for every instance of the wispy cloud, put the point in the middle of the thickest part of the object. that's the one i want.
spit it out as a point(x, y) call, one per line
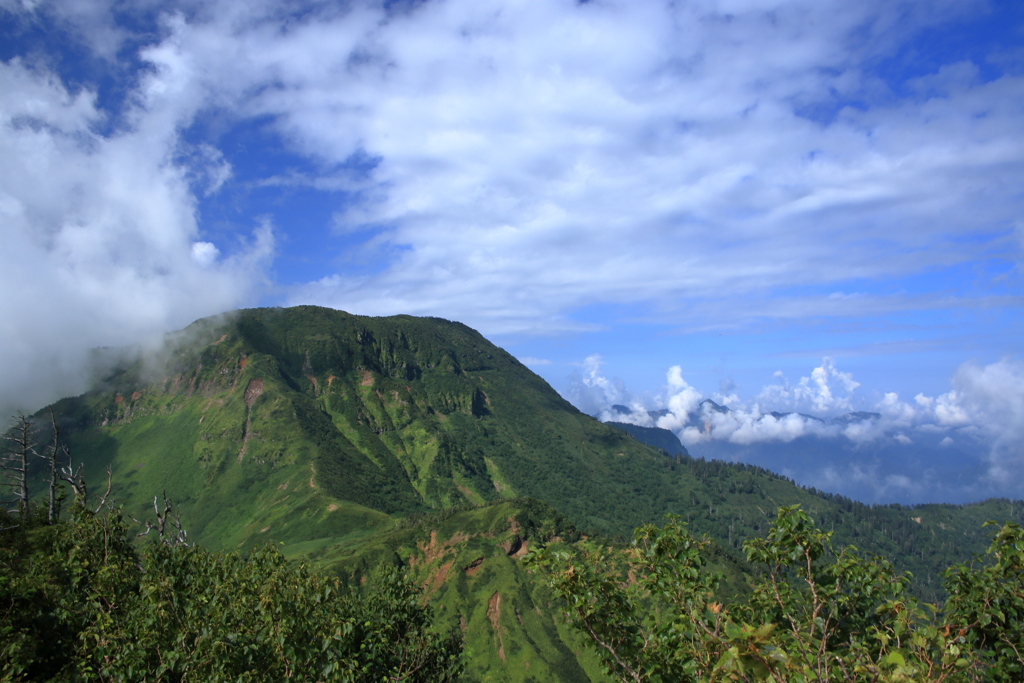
point(711, 163)
point(615, 152)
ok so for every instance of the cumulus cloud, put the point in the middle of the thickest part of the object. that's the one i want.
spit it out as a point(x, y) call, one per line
point(984, 399)
point(992, 397)
point(99, 235)
point(826, 391)
point(684, 410)
point(205, 253)
point(983, 411)
point(594, 393)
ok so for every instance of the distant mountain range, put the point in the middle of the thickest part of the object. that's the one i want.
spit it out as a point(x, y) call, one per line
point(350, 440)
point(880, 468)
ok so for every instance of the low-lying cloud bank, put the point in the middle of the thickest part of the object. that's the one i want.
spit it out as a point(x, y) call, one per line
point(963, 444)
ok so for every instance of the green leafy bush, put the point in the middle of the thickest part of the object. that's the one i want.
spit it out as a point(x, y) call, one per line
point(813, 614)
point(80, 603)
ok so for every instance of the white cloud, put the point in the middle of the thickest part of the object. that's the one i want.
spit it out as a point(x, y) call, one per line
point(864, 431)
point(985, 406)
point(617, 152)
point(99, 238)
point(593, 393)
point(993, 398)
point(683, 401)
point(826, 391)
point(895, 410)
point(532, 158)
point(204, 253)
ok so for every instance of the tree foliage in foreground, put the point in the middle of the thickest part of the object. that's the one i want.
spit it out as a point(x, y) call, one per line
point(814, 613)
point(79, 602)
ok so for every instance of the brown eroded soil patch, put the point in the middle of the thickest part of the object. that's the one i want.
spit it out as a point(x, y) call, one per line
point(367, 378)
point(436, 580)
point(245, 440)
point(253, 391)
point(494, 615)
point(332, 507)
point(434, 550)
point(429, 550)
point(136, 395)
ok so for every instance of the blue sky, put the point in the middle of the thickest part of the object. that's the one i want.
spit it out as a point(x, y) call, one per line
point(747, 190)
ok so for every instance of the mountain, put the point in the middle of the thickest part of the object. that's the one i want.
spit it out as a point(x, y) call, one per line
point(349, 440)
point(655, 437)
point(858, 454)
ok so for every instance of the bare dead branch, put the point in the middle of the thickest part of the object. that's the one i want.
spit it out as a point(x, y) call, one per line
point(103, 500)
point(75, 477)
point(51, 508)
point(179, 535)
point(15, 463)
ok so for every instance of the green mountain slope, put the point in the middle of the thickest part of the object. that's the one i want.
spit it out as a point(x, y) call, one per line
point(336, 437)
point(655, 437)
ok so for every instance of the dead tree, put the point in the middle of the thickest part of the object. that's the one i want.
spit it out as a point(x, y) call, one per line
point(176, 535)
point(51, 509)
point(74, 476)
point(103, 500)
point(22, 440)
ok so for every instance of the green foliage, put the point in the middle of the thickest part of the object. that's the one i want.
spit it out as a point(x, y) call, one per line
point(814, 614)
point(468, 561)
point(381, 417)
point(81, 604)
point(347, 440)
point(647, 610)
point(986, 604)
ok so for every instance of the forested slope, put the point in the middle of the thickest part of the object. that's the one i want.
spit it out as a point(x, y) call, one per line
point(323, 432)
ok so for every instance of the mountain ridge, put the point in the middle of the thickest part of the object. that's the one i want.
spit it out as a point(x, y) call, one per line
point(327, 434)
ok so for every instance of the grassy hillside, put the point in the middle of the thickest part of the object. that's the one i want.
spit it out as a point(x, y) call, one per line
point(341, 438)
